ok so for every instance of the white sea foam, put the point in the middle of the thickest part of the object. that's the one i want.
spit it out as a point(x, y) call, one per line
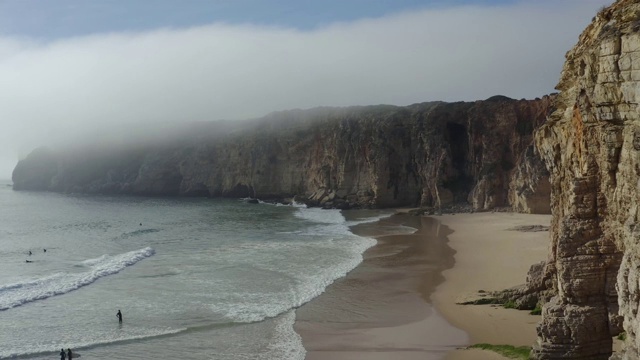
point(396, 230)
point(17, 294)
point(104, 339)
point(287, 344)
point(327, 234)
point(257, 306)
point(372, 219)
point(406, 229)
point(330, 222)
point(322, 216)
point(298, 205)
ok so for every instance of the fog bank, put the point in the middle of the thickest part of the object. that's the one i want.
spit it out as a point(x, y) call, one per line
point(52, 93)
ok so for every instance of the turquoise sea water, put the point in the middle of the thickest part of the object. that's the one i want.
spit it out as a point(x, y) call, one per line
point(194, 278)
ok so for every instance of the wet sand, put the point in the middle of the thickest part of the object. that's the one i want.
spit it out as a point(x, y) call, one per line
point(400, 303)
point(380, 310)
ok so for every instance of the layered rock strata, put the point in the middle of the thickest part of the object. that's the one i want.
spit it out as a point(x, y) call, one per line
point(429, 154)
point(591, 145)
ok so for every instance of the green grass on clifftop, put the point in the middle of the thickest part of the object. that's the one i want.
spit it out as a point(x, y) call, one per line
point(510, 351)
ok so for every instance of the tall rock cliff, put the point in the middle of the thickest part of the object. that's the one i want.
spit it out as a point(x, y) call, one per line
point(591, 145)
point(432, 154)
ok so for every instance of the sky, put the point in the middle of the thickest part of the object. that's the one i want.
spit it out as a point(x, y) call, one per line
point(69, 68)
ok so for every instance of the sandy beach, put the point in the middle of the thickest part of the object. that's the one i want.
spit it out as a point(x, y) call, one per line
point(400, 303)
point(490, 256)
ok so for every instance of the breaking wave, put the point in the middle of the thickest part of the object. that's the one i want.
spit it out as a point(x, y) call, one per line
point(17, 294)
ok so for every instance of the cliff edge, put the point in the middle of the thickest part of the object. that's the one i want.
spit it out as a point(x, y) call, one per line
point(428, 154)
point(591, 145)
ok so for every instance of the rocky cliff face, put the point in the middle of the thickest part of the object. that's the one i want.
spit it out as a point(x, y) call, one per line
point(591, 144)
point(432, 154)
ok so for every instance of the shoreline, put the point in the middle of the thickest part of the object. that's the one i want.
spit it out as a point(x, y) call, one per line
point(491, 256)
point(400, 302)
point(380, 310)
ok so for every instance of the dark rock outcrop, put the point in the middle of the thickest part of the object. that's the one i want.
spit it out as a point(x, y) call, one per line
point(430, 154)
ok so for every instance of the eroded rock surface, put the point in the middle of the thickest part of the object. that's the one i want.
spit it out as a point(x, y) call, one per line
point(591, 145)
point(429, 154)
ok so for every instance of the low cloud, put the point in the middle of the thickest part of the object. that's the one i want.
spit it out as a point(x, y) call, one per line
point(51, 92)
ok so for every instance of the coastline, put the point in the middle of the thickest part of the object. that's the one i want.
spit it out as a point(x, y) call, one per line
point(490, 256)
point(400, 302)
point(380, 309)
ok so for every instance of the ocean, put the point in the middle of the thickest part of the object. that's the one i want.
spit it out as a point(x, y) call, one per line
point(195, 278)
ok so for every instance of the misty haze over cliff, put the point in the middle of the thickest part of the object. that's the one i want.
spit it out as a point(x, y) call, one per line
point(56, 91)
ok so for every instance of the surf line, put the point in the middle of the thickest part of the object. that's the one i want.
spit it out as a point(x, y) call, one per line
point(18, 294)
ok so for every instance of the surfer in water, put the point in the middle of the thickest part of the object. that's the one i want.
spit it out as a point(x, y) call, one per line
point(69, 354)
point(119, 315)
point(63, 355)
point(29, 252)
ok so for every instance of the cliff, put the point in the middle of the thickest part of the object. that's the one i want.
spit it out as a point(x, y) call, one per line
point(430, 154)
point(591, 145)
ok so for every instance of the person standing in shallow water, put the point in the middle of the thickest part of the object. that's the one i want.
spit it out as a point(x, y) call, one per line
point(69, 354)
point(119, 315)
point(63, 355)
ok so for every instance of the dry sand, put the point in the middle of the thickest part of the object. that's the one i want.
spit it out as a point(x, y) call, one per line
point(489, 256)
point(400, 303)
